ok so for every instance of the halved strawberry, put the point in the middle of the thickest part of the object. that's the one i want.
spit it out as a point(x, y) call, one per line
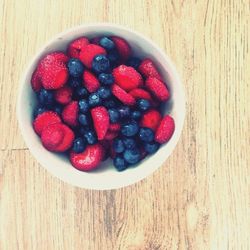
point(101, 121)
point(141, 94)
point(76, 46)
point(36, 82)
point(45, 119)
point(63, 95)
point(151, 119)
point(148, 69)
point(114, 127)
point(122, 95)
point(89, 159)
point(110, 135)
point(70, 114)
point(123, 47)
point(90, 81)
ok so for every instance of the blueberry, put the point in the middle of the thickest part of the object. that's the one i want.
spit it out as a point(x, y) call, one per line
point(81, 92)
point(107, 43)
point(132, 156)
point(143, 104)
point(94, 100)
point(119, 163)
point(83, 106)
point(134, 62)
point(114, 115)
point(118, 145)
point(136, 115)
point(100, 64)
point(124, 112)
point(75, 67)
point(83, 120)
point(39, 110)
point(82, 130)
point(146, 134)
point(104, 92)
point(58, 109)
point(151, 147)
point(110, 103)
point(79, 145)
point(130, 129)
point(113, 57)
point(90, 136)
point(106, 79)
point(45, 97)
point(129, 143)
point(74, 82)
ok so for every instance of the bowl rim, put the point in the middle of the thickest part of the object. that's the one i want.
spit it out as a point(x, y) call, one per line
point(22, 83)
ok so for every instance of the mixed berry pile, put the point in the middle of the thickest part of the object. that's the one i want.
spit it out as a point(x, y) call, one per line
point(97, 100)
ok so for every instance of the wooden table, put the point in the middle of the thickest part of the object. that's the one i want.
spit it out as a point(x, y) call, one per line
point(200, 198)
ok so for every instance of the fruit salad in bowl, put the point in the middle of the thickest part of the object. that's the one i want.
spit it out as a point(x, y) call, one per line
point(102, 106)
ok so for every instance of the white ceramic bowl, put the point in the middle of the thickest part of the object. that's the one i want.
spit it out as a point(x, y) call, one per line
point(106, 177)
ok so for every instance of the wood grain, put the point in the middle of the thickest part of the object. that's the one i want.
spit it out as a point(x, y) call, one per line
point(200, 198)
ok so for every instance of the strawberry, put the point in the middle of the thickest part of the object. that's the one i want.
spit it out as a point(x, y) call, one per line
point(101, 122)
point(148, 69)
point(76, 46)
point(54, 74)
point(123, 47)
point(114, 127)
point(63, 95)
point(57, 56)
point(122, 95)
point(141, 94)
point(157, 88)
point(127, 77)
point(89, 159)
point(90, 81)
point(151, 119)
point(110, 135)
point(45, 119)
point(70, 114)
point(165, 130)
point(89, 52)
point(36, 83)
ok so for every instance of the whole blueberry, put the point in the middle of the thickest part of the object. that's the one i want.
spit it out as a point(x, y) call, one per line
point(81, 92)
point(45, 97)
point(39, 110)
point(129, 143)
point(130, 129)
point(134, 62)
point(113, 57)
point(136, 115)
point(90, 136)
point(94, 100)
point(132, 156)
point(107, 43)
point(106, 79)
point(143, 104)
point(79, 145)
point(119, 163)
point(100, 64)
point(104, 92)
point(83, 106)
point(151, 147)
point(146, 134)
point(58, 109)
point(75, 82)
point(110, 103)
point(124, 112)
point(75, 67)
point(118, 145)
point(83, 120)
point(114, 115)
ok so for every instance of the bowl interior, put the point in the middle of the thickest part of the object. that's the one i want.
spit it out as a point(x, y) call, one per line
point(106, 177)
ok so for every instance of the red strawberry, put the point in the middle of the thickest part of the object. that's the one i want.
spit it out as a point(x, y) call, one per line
point(57, 56)
point(89, 159)
point(45, 119)
point(165, 129)
point(89, 52)
point(63, 95)
point(70, 114)
point(54, 74)
point(123, 47)
point(148, 69)
point(76, 46)
point(36, 83)
point(151, 119)
point(157, 88)
point(127, 77)
point(141, 94)
point(122, 95)
point(100, 118)
point(114, 127)
point(96, 40)
point(111, 135)
point(90, 81)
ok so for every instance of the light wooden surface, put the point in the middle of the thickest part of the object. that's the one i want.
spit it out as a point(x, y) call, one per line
point(200, 198)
